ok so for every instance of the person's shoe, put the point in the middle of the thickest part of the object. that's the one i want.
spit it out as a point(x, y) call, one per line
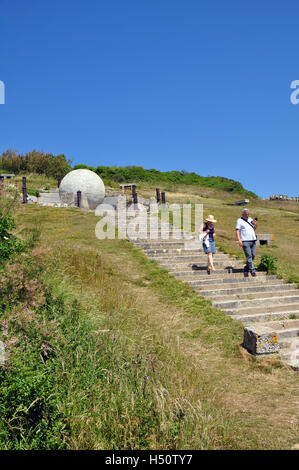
point(246, 269)
point(253, 273)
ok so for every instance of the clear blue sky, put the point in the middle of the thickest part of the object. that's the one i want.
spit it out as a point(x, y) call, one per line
point(166, 84)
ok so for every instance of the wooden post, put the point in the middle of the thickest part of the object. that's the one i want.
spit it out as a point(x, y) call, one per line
point(135, 199)
point(163, 198)
point(24, 190)
point(158, 194)
point(58, 182)
point(78, 198)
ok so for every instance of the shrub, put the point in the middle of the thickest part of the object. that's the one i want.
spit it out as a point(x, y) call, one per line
point(9, 244)
point(19, 283)
point(267, 263)
point(138, 173)
point(33, 192)
point(30, 417)
point(55, 166)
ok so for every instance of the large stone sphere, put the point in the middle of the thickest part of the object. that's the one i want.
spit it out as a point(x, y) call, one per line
point(88, 182)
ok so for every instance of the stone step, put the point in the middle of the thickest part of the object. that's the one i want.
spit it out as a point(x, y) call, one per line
point(233, 272)
point(284, 328)
point(152, 244)
point(290, 307)
point(192, 257)
point(185, 266)
point(275, 301)
point(227, 281)
point(142, 240)
point(49, 199)
point(253, 295)
point(172, 251)
point(204, 278)
point(288, 343)
point(162, 234)
point(263, 300)
point(193, 260)
point(289, 351)
point(162, 228)
point(218, 291)
point(293, 363)
point(170, 248)
point(266, 316)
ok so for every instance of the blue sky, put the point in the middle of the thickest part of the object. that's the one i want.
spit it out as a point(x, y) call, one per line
point(166, 84)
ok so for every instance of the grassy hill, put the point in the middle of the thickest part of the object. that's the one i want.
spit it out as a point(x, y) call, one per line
point(134, 174)
point(124, 356)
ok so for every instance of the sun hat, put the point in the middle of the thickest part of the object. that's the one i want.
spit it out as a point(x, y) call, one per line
point(210, 218)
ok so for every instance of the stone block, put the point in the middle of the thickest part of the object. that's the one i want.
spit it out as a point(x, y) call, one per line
point(193, 245)
point(264, 238)
point(242, 202)
point(112, 201)
point(260, 340)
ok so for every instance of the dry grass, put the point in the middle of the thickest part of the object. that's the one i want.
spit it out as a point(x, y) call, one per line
point(34, 180)
point(231, 399)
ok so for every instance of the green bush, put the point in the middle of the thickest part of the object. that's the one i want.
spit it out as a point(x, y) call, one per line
point(138, 173)
point(30, 417)
point(267, 263)
point(9, 244)
point(33, 192)
point(55, 166)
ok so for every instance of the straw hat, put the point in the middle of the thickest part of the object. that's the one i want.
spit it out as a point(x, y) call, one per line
point(210, 218)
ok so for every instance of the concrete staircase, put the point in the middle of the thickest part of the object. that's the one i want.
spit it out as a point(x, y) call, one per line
point(267, 306)
point(49, 198)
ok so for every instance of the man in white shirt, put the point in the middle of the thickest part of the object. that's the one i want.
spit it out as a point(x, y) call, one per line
point(245, 229)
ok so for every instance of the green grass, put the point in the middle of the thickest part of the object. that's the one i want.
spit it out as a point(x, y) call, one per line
point(136, 321)
point(137, 359)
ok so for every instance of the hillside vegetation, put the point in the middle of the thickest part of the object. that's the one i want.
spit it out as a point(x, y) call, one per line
point(57, 166)
point(133, 174)
point(105, 350)
point(40, 163)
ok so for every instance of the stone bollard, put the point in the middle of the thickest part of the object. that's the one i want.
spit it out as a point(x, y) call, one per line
point(24, 190)
point(158, 194)
point(135, 200)
point(78, 198)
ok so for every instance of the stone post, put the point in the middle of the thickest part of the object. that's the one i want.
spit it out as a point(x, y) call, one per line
point(78, 198)
point(24, 190)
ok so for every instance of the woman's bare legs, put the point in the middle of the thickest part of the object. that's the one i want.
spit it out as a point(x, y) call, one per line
point(210, 262)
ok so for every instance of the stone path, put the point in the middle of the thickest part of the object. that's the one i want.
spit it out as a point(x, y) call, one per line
point(267, 306)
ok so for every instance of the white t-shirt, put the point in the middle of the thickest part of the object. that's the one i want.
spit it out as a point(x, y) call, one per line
point(247, 232)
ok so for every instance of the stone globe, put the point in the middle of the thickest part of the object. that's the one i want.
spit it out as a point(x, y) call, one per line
point(88, 182)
